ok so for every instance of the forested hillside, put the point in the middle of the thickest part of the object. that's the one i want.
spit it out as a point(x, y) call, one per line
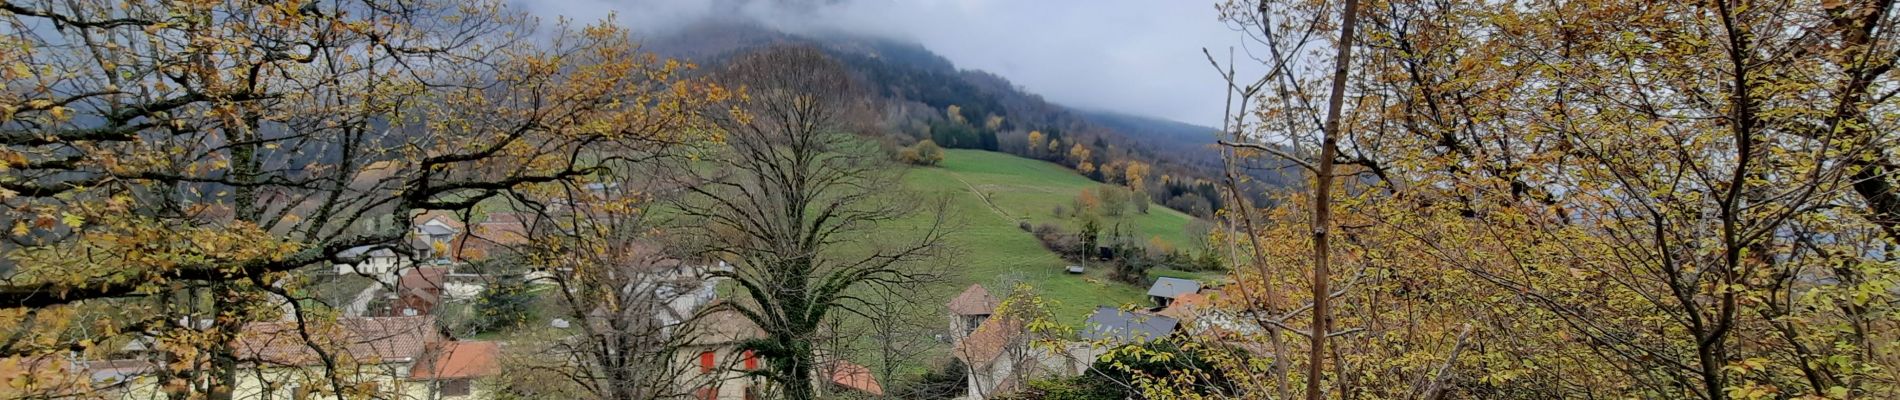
point(923, 96)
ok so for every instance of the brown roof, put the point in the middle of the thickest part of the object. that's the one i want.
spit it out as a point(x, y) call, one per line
point(854, 377)
point(459, 359)
point(365, 339)
point(1187, 306)
point(507, 233)
point(988, 341)
point(974, 301)
point(422, 278)
point(496, 236)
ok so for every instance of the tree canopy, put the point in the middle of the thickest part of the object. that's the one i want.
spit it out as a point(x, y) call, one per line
point(169, 164)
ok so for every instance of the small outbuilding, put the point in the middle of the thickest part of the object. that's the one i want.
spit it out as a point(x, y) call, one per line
point(1165, 290)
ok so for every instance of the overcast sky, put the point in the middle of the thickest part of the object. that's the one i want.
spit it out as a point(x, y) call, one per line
point(1135, 56)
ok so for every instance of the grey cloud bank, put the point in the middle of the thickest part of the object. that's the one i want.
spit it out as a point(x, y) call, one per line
point(1139, 57)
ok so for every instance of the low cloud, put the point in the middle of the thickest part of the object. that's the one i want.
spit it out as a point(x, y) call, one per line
point(1134, 56)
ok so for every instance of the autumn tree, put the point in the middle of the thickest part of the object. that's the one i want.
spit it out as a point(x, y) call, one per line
point(1136, 174)
point(170, 165)
point(790, 187)
point(1087, 201)
point(1035, 144)
point(1081, 158)
point(954, 113)
point(1658, 201)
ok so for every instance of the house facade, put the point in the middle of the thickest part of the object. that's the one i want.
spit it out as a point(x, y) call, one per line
point(718, 370)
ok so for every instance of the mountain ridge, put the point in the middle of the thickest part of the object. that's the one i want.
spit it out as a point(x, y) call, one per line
point(918, 88)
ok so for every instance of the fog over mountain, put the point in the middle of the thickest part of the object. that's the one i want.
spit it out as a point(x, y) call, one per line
point(1139, 57)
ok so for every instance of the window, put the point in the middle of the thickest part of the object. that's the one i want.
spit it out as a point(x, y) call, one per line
point(751, 361)
point(751, 393)
point(707, 393)
point(706, 361)
point(454, 387)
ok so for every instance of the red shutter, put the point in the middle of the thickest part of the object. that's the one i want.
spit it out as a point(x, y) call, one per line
point(707, 393)
point(706, 361)
point(751, 362)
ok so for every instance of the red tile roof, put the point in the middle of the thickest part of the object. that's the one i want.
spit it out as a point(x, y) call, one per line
point(459, 359)
point(974, 300)
point(365, 339)
point(854, 377)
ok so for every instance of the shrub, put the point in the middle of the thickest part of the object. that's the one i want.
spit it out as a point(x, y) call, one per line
point(504, 304)
point(1057, 241)
point(925, 152)
point(1114, 199)
point(943, 383)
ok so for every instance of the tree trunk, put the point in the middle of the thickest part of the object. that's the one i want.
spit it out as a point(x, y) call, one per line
point(1323, 204)
point(797, 376)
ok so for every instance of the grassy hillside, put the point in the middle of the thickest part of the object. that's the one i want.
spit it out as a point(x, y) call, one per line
point(990, 192)
point(986, 194)
point(1029, 189)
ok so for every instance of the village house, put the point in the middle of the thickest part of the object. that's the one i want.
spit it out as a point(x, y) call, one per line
point(379, 263)
point(714, 366)
point(717, 368)
point(402, 355)
point(421, 289)
point(1000, 353)
point(969, 309)
point(438, 236)
point(407, 354)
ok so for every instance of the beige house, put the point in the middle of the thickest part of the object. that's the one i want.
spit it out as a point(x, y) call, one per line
point(717, 369)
